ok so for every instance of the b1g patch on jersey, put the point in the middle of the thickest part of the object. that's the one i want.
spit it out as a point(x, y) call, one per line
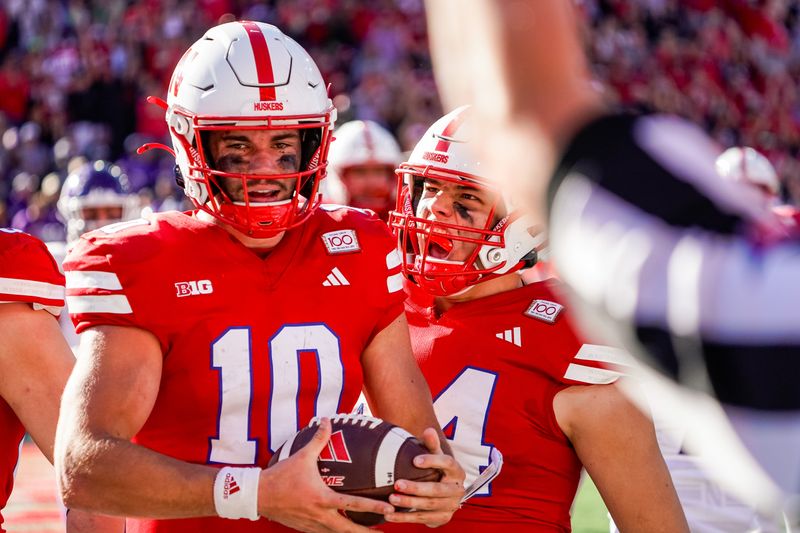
point(341, 241)
point(193, 288)
point(544, 310)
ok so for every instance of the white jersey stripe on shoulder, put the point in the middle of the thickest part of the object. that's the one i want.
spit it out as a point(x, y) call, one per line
point(89, 279)
point(28, 287)
point(395, 282)
point(393, 259)
point(605, 354)
point(588, 374)
point(111, 303)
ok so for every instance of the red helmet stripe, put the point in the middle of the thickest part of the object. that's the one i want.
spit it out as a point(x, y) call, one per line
point(449, 131)
point(263, 60)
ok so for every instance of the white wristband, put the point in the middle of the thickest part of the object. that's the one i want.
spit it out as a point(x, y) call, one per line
point(236, 492)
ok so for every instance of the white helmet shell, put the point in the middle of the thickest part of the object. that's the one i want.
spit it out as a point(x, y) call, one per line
point(243, 75)
point(363, 142)
point(747, 165)
point(357, 143)
point(446, 145)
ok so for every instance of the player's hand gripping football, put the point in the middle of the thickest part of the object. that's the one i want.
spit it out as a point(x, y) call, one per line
point(292, 492)
point(433, 503)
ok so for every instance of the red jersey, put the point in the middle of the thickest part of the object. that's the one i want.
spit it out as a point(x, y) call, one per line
point(253, 348)
point(27, 274)
point(494, 366)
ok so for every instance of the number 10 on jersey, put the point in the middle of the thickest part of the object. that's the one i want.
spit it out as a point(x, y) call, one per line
point(232, 356)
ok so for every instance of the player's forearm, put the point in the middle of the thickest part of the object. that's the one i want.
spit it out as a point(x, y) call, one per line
point(617, 445)
point(117, 477)
point(84, 522)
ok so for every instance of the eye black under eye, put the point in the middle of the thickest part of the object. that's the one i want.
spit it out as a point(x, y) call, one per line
point(462, 211)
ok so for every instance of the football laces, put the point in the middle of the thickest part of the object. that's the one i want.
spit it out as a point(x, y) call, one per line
point(351, 418)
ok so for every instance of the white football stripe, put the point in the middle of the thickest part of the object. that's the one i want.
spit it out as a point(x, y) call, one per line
point(394, 283)
point(605, 354)
point(393, 259)
point(339, 276)
point(93, 280)
point(286, 450)
point(588, 374)
point(27, 287)
point(387, 456)
point(113, 303)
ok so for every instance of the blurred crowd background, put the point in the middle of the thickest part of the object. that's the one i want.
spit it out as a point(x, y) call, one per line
point(74, 75)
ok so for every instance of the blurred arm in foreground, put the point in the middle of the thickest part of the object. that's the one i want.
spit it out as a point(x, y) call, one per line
point(685, 270)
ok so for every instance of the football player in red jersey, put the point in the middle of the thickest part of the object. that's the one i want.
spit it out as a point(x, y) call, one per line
point(506, 369)
point(361, 167)
point(210, 337)
point(35, 360)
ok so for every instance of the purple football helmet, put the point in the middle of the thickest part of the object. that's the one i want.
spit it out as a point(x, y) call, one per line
point(95, 195)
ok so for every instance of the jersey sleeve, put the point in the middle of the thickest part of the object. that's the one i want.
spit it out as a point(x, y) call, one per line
point(108, 280)
point(28, 273)
point(95, 293)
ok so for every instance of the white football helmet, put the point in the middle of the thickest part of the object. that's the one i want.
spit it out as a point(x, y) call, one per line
point(506, 243)
point(747, 165)
point(250, 76)
point(360, 143)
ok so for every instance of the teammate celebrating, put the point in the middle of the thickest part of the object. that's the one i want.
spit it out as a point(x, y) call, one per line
point(362, 163)
point(210, 337)
point(32, 373)
point(505, 366)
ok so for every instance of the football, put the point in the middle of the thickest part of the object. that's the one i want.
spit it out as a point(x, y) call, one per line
point(364, 457)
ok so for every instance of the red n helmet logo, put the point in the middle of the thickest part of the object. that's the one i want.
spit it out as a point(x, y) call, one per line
point(336, 449)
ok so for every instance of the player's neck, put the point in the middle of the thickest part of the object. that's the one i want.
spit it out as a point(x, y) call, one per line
point(497, 285)
point(260, 247)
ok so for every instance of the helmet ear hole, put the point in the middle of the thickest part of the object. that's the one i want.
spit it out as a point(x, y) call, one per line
point(179, 176)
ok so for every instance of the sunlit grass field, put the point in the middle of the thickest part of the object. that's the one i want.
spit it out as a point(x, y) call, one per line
point(589, 514)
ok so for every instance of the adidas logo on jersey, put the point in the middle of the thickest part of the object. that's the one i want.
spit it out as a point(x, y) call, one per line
point(193, 288)
point(335, 279)
point(514, 336)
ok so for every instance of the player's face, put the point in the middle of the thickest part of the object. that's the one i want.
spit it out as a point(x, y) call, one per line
point(101, 214)
point(370, 186)
point(453, 203)
point(256, 152)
